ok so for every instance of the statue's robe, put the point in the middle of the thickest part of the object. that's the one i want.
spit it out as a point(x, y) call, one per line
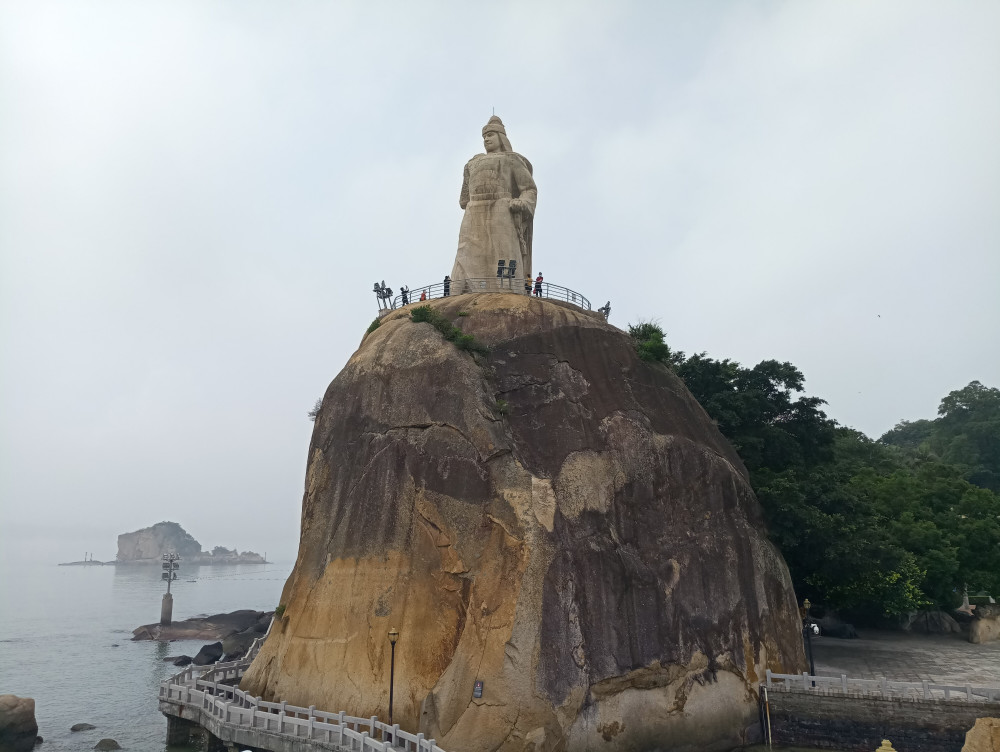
point(490, 231)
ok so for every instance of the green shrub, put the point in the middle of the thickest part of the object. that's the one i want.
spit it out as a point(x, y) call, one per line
point(647, 337)
point(426, 314)
point(502, 407)
point(279, 611)
point(463, 313)
point(373, 326)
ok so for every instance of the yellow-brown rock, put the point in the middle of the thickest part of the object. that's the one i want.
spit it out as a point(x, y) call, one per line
point(558, 519)
point(984, 736)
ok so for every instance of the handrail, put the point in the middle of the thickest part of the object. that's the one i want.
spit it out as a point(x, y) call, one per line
point(230, 706)
point(888, 689)
point(515, 285)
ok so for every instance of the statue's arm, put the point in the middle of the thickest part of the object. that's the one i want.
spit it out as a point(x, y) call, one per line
point(463, 198)
point(527, 193)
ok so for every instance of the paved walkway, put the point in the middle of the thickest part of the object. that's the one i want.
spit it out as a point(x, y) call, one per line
point(898, 656)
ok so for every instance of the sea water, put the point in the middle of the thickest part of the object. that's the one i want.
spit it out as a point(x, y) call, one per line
point(65, 640)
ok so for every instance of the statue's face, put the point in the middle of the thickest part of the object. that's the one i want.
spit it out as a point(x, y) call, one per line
point(492, 141)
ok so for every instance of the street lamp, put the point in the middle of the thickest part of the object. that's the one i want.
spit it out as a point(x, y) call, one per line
point(807, 632)
point(393, 636)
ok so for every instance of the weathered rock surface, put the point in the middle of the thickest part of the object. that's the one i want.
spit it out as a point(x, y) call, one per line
point(151, 543)
point(82, 727)
point(985, 625)
point(18, 727)
point(559, 520)
point(208, 654)
point(931, 622)
point(984, 736)
point(107, 745)
point(215, 627)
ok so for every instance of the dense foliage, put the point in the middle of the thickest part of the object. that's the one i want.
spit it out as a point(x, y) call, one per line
point(450, 332)
point(871, 528)
point(966, 434)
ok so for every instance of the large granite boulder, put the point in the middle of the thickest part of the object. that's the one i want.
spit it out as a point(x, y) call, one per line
point(18, 727)
point(558, 520)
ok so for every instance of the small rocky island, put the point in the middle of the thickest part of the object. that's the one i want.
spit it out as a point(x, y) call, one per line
point(148, 545)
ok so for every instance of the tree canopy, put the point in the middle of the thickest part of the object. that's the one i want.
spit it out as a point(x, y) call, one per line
point(872, 528)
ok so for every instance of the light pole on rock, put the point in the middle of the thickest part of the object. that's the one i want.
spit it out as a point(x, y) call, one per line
point(171, 563)
point(393, 636)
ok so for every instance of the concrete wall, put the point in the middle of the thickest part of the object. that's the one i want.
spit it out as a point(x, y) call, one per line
point(852, 722)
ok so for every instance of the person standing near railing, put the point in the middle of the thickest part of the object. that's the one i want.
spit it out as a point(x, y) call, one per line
point(423, 295)
point(538, 285)
point(447, 285)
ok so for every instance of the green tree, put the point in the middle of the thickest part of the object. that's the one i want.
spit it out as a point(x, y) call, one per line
point(965, 434)
point(873, 528)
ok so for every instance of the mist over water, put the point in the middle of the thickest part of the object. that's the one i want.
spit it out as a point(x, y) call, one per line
point(59, 627)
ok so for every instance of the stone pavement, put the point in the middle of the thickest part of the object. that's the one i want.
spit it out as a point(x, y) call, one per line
point(899, 656)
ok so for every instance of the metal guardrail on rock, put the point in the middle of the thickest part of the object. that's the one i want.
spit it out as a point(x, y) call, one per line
point(514, 285)
point(228, 707)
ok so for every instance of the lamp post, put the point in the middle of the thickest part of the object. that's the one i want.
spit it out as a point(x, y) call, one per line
point(393, 636)
point(807, 631)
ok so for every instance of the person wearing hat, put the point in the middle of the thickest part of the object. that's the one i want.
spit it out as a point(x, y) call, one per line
point(499, 197)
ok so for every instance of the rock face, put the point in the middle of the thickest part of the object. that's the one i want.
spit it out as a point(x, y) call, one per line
point(152, 542)
point(985, 627)
point(558, 520)
point(984, 736)
point(18, 727)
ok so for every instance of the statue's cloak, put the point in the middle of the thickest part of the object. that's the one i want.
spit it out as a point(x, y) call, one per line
point(490, 231)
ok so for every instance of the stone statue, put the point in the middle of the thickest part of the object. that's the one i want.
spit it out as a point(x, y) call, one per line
point(498, 195)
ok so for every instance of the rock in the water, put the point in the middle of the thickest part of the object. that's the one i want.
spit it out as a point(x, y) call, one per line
point(106, 745)
point(81, 727)
point(38, 740)
point(984, 736)
point(183, 660)
point(208, 654)
point(237, 645)
point(215, 627)
point(18, 727)
point(559, 520)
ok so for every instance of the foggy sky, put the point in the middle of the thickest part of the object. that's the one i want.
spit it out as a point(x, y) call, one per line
point(196, 197)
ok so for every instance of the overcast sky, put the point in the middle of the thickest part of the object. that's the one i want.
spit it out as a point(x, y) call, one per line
point(196, 197)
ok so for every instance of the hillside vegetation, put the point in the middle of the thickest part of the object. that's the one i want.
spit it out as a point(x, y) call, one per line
point(871, 528)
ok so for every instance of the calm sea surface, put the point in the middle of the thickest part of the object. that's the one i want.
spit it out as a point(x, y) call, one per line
point(65, 641)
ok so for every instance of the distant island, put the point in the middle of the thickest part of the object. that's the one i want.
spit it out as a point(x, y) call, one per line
point(148, 545)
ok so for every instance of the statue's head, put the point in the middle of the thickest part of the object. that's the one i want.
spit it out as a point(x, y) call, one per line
point(495, 137)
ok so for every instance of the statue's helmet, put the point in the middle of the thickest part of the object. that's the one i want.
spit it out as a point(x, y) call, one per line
point(495, 125)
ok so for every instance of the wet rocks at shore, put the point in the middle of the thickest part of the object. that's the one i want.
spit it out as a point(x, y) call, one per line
point(217, 627)
point(18, 727)
point(233, 633)
point(106, 745)
point(82, 727)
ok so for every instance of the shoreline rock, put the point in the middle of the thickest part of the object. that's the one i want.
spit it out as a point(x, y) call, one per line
point(216, 627)
point(18, 727)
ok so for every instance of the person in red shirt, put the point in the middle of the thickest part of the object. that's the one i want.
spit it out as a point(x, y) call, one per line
point(538, 285)
point(423, 295)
